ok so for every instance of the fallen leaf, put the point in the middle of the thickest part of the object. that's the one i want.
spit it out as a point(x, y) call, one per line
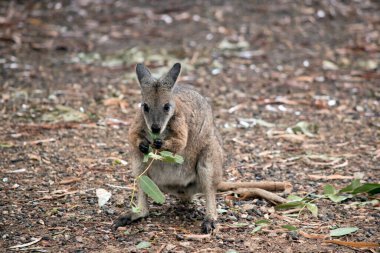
point(328, 65)
point(103, 196)
point(143, 245)
point(343, 231)
point(354, 244)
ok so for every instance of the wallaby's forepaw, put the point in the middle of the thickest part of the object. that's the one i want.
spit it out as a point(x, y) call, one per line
point(144, 147)
point(124, 220)
point(157, 143)
point(208, 226)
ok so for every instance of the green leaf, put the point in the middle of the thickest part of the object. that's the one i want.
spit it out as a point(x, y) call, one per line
point(289, 227)
point(154, 156)
point(343, 231)
point(303, 127)
point(262, 222)
point(153, 136)
point(294, 198)
point(221, 210)
point(6, 145)
point(256, 229)
point(136, 209)
point(146, 158)
point(170, 157)
point(143, 245)
point(367, 188)
point(293, 204)
point(329, 190)
point(337, 198)
point(312, 208)
point(349, 188)
point(151, 189)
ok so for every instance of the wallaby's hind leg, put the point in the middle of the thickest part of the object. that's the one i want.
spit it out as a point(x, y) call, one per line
point(209, 170)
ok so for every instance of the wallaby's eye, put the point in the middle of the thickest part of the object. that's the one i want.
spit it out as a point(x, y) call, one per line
point(167, 107)
point(146, 107)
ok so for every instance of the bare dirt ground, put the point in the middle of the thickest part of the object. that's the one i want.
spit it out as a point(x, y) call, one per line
point(282, 62)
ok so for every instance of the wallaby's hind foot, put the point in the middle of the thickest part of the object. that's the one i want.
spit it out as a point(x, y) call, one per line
point(208, 226)
point(127, 219)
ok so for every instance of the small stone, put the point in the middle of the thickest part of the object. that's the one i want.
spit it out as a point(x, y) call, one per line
point(79, 239)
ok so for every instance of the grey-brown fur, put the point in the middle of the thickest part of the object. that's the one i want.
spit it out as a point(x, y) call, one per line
point(186, 129)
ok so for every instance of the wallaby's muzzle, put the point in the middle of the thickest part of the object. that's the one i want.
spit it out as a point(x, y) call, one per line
point(155, 128)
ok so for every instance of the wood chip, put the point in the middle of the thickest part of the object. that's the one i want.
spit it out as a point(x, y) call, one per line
point(69, 180)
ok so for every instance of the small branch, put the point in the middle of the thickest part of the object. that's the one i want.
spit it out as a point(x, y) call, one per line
point(26, 244)
point(265, 185)
point(261, 193)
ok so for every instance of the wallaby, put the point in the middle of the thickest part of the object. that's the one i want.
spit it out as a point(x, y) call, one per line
point(184, 121)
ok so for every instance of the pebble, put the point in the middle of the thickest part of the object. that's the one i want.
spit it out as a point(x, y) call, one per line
point(79, 239)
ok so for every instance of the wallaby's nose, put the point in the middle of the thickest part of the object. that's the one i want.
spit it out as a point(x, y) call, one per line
point(155, 128)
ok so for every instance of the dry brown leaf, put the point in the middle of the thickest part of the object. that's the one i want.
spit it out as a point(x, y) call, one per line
point(354, 244)
point(312, 236)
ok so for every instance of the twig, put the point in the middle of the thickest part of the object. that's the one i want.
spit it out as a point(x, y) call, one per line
point(161, 248)
point(119, 187)
point(38, 142)
point(265, 185)
point(196, 236)
point(256, 192)
point(26, 244)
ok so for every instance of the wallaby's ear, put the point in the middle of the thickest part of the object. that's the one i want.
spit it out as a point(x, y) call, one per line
point(171, 77)
point(142, 72)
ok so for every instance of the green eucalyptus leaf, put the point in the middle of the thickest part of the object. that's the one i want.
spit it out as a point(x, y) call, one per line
point(155, 156)
point(146, 158)
point(143, 245)
point(349, 188)
point(289, 227)
point(367, 188)
point(256, 229)
point(151, 189)
point(294, 198)
point(337, 198)
point(343, 231)
point(136, 209)
point(312, 208)
point(170, 157)
point(329, 190)
point(289, 205)
point(263, 222)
